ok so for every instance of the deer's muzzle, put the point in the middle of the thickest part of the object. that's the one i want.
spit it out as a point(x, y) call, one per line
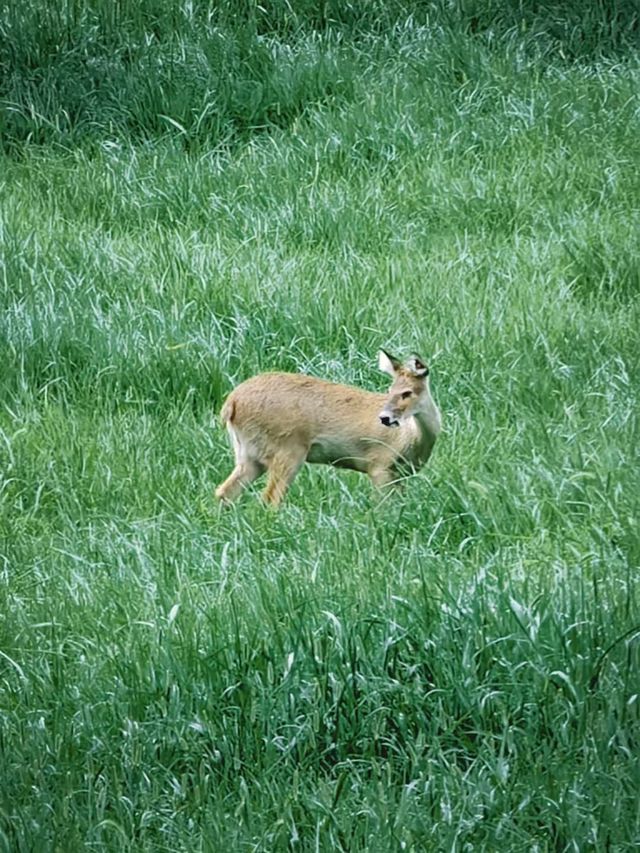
point(388, 420)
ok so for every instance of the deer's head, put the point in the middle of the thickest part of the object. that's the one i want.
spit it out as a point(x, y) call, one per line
point(408, 390)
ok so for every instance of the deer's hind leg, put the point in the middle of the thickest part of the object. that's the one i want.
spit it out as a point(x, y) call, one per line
point(246, 471)
point(282, 471)
point(243, 474)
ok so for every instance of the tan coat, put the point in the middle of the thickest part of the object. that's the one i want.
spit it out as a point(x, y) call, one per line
point(277, 421)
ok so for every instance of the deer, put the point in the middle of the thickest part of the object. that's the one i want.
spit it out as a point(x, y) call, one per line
point(278, 421)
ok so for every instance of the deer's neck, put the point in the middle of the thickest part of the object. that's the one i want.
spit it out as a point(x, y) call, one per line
point(427, 424)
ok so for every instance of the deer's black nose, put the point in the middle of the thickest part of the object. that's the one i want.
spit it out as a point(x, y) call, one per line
point(388, 421)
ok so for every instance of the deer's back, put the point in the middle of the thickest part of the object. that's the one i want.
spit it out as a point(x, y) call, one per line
point(291, 401)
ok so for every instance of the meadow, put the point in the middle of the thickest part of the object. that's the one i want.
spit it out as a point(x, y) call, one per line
point(193, 193)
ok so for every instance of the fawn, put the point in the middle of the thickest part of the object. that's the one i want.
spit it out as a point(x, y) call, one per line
point(277, 421)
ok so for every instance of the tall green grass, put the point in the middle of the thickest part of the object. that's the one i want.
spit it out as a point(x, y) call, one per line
point(453, 667)
point(79, 72)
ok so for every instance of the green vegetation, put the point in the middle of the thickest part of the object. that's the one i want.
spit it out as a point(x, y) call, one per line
point(192, 193)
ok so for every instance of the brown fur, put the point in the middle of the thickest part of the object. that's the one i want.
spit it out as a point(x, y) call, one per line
point(277, 421)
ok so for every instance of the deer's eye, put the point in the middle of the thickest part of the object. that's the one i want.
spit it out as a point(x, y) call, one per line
point(406, 394)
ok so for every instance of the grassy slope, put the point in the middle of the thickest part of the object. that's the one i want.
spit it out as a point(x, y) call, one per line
point(438, 670)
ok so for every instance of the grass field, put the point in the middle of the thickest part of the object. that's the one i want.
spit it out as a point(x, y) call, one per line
point(191, 195)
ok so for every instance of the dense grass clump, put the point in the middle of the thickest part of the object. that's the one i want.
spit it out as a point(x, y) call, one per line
point(194, 193)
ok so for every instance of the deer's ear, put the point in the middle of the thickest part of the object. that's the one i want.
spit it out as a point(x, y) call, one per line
point(387, 363)
point(417, 366)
